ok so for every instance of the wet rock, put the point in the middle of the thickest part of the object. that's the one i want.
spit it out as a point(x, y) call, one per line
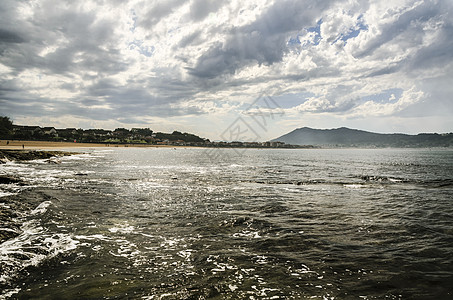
point(5, 179)
point(23, 155)
point(14, 208)
point(6, 235)
point(54, 160)
point(10, 228)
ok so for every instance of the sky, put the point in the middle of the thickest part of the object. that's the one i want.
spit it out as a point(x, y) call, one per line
point(224, 70)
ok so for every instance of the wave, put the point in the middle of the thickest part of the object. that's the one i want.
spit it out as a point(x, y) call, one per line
point(360, 180)
point(26, 242)
point(383, 179)
point(439, 183)
point(31, 248)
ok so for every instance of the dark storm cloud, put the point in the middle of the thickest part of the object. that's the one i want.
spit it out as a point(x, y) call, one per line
point(7, 36)
point(262, 42)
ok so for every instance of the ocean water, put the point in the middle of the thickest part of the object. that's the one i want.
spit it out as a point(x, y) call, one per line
point(163, 223)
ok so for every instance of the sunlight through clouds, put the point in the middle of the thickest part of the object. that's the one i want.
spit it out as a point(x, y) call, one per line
point(143, 63)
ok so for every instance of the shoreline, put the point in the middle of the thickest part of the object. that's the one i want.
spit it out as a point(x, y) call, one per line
point(47, 145)
point(43, 145)
point(35, 145)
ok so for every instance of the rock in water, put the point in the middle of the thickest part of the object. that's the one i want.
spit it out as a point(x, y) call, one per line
point(54, 160)
point(5, 179)
point(6, 155)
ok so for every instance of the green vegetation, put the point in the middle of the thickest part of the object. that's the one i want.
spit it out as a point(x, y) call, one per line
point(118, 136)
point(6, 127)
point(178, 136)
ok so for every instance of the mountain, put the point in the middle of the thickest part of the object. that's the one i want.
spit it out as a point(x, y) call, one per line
point(346, 137)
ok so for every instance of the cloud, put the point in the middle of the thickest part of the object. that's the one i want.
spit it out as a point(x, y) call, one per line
point(189, 39)
point(200, 9)
point(64, 40)
point(390, 107)
point(261, 42)
point(136, 61)
point(7, 37)
point(437, 54)
point(158, 11)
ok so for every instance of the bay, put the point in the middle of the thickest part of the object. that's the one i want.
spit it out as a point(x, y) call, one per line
point(175, 223)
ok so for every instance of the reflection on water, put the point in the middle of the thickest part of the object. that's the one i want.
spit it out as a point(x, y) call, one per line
point(271, 224)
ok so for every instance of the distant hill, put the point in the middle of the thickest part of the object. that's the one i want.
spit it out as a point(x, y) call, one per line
point(346, 137)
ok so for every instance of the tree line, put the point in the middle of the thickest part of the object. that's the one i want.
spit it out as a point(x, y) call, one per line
point(120, 135)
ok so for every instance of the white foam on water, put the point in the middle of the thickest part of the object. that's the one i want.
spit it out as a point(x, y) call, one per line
point(11, 189)
point(147, 235)
point(247, 234)
point(97, 248)
point(122, 228)
point(185, 253)
point(292, 190)
point(32, 247)
point(395, 180)
point(126, 249)
point(170, 243)
point(9, 292)
point(41, 208)
point(15, 168)
point(222, 267)
point(40, 161)
point(82, 156)
point(8, 229)
point(234, 166)
point(353, 186)
point(4, 194)
point(92, 237)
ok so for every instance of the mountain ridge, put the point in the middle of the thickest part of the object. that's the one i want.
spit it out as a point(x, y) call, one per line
point(347, 137)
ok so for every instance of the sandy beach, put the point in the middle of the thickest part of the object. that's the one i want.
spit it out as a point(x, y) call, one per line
point(34, 145)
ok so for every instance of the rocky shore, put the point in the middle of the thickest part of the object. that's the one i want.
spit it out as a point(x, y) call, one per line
point(23, 155)
point(12, 207)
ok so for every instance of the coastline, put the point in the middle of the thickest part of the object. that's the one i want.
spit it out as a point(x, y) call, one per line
point(47, 145)
point(35, 145)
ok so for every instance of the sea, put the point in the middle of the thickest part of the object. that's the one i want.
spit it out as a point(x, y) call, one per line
point(182, 223)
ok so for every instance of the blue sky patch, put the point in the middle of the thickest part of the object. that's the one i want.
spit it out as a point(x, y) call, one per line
point(292, 100)
point(316, 29)
point(385, 96)
point(147, 51)
point(353, 31)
